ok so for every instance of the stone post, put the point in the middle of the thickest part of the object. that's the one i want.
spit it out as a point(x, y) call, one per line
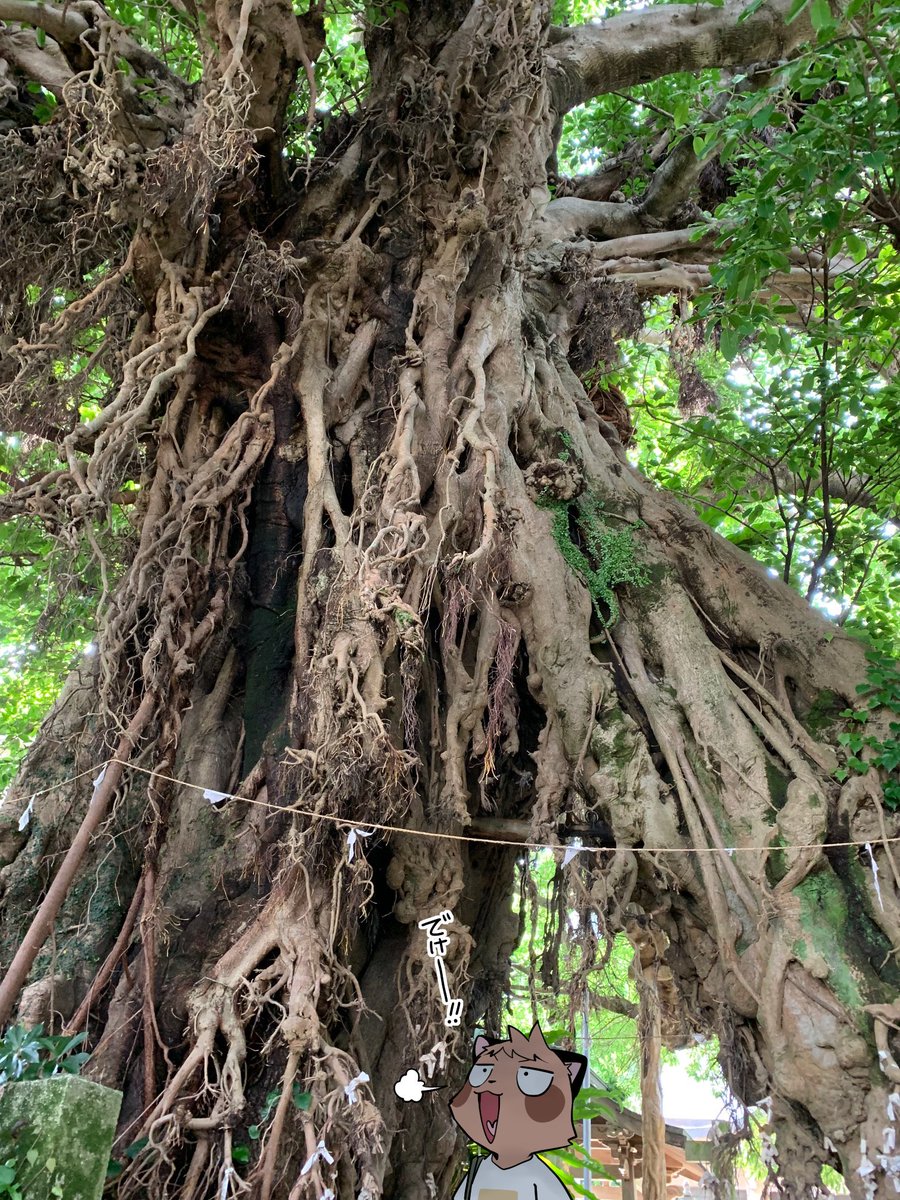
point(56, 1135)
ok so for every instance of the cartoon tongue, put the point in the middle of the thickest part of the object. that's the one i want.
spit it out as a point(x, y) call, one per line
point(489, 1107)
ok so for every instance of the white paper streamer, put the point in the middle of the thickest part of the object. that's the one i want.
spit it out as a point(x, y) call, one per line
point(436, 1056)
point(571, 851)
point(25, 819)
point(866, 1166)
point(352, 838)
point(97, 783)
point(328, 1194)
point(351, 1088)
point(226, 1179)
point(888, 1139)
point(874, 864)
point(215, 797)
point(893, 1106)
point(319, 1154)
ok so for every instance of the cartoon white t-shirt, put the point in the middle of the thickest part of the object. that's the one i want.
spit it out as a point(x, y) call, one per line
point(529, 1180)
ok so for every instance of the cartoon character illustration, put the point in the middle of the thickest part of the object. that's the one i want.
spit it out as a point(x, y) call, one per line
point(517, 1102)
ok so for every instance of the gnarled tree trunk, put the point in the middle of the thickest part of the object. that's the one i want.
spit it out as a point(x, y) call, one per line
point(390, 568)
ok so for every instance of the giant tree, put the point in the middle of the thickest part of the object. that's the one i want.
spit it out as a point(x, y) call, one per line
point(309, 382)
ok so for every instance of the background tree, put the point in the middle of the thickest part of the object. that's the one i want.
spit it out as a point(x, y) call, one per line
point(329, 391)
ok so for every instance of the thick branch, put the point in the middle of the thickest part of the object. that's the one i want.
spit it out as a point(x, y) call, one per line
point(571, 216)
point(67, 27)
point(651, 245)
point(64, 25)
point(636, 47)
point(45, 65)
point(855, 490)
point(801, 285)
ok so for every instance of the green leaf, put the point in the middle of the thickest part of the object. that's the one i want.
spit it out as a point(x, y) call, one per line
point(820, 15)
point(857, 247)
point(892, 794)
point(761, 117)
point(796, 9)
point(271, 1100)
point(751, 9)
point(729, 341)
point(301, 1099)
point(240, 1154)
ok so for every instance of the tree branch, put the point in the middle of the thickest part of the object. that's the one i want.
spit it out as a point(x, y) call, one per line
point(64, 25)
point(638, 46)
point(45, 65)
point(674, 179)
point(67, 27)
point(651, 245)
point(854, 489)
point(571, 216)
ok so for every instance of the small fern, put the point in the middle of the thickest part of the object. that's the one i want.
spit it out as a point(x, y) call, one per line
point(605, 560)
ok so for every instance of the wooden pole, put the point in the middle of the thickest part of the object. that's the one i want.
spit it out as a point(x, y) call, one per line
point(653, 1127)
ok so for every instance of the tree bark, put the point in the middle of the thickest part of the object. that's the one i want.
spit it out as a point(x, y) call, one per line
point(374, 497)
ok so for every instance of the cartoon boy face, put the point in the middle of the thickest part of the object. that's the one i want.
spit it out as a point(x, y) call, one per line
point(517, 1100)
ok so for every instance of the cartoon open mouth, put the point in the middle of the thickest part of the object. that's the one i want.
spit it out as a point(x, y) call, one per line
point(489, 1108)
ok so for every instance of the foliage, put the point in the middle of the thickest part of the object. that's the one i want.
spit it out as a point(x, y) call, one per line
point(48, 594)
point(881, 690)
point(603, 557)
point(779, 424)
point(613, 1056)
point(751, 465)
point(32, 1054)
point(299, 1098)
point(29, 1175)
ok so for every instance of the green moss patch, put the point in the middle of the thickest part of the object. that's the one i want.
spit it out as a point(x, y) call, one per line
point(56, 1135)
